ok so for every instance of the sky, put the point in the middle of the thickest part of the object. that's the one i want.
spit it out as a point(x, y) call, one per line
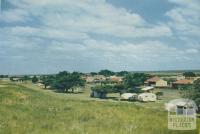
point(46, 36)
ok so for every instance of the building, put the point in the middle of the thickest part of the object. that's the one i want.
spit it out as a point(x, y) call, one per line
point(89, 79)
point(156, 82)
point(181, 83)
point(115, 79)
point(95, 79)
point(180, 77)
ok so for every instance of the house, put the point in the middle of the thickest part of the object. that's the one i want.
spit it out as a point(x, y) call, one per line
point(180, 77)
point(148, 89)
point(182, 82)
point(115, 79)
point(156, 82)
point(95, 79)
point(145, 97)
point(89, 79)
point(99, 78)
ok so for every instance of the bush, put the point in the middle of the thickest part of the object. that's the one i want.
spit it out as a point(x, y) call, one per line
point(34, 79)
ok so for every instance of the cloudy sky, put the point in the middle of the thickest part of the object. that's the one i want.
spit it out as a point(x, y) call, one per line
point(47, 36)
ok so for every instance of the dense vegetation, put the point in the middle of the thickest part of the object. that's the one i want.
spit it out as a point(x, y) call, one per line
point(130, 83)
point(189, 74)
point(192, 92)
point(63, 81)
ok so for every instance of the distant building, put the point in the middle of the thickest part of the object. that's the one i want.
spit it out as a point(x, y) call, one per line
point(156, 82)
point(115, 79)
point(89, 79)
point(95, 79)
point(181, 83)
point(180, 77)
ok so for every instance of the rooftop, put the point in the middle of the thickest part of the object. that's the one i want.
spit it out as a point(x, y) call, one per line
point(153, 79)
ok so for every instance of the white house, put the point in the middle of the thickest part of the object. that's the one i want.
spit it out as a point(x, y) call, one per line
point(147, 97)
point(156, 82)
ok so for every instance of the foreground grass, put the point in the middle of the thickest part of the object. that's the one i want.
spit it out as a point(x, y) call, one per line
point(27, 111)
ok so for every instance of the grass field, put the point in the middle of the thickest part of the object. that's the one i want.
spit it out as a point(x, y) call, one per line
point(30, 110)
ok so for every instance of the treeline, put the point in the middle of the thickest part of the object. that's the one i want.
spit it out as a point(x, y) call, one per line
point(110, 73)
point(4, 76)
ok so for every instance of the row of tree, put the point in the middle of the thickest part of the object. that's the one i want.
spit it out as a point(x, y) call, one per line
point(25, 78)
point(4, 76)
point(130, 83)
point(63, 81)
point(110, 73)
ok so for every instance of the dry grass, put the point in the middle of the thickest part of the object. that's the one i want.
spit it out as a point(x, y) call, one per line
point(49, 113)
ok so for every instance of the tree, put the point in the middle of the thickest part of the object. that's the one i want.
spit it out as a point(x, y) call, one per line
point(132, 81)
point(11, 78)
point(34, 79)
point(189, 74)
point(106, 72)
point(159, 94)
point(192, 92)
point(48, 80)
point(102, 90)
point(119, 88)
point(122, 73)
point(93, 73)
point(65, 81)
point(136, 79)
point(3, 76)
point(25, 78)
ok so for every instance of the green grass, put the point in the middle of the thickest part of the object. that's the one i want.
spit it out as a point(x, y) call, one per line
point(33, 111)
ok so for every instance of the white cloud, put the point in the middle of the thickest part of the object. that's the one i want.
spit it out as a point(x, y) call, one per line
point(91, 16)
point(192, 51)
point(185, 18)
point(43, 32)
point(14, 15)
point(149, 51)
point(93, 34)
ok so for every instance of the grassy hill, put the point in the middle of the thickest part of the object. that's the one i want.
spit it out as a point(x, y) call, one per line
point(27, 111)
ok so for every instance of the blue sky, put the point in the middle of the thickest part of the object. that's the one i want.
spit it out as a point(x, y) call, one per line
point(45, 36)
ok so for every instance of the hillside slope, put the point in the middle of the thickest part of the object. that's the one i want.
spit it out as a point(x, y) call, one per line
point(27, 111)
